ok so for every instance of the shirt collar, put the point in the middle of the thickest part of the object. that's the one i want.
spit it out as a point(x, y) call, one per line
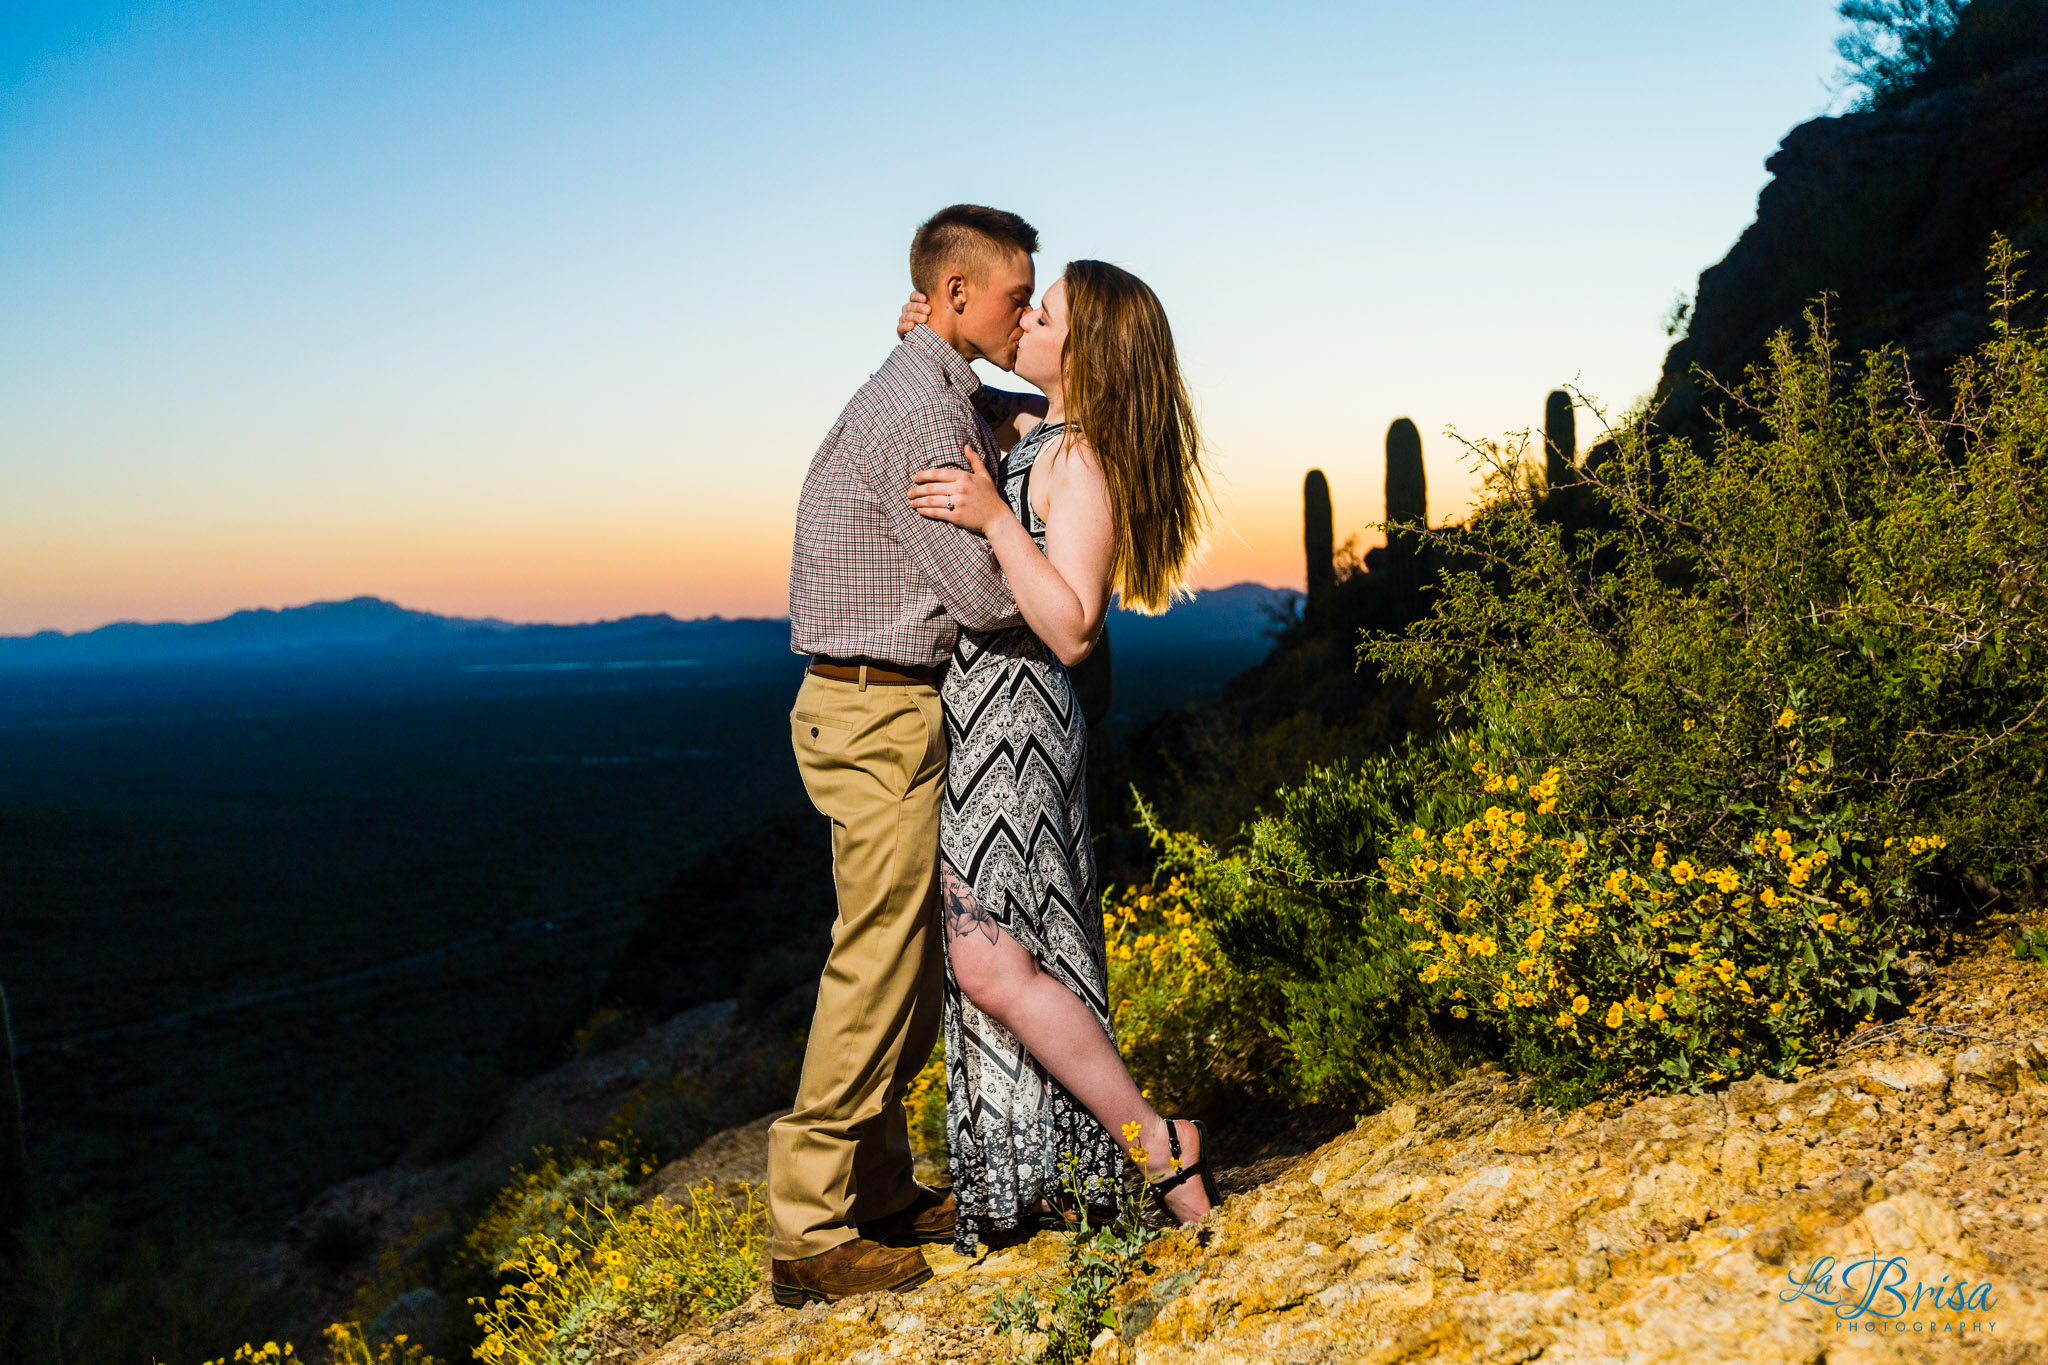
point(958, 373)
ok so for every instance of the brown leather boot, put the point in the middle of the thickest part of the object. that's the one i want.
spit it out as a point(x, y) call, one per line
point(927, 1219)
point(856, 1267)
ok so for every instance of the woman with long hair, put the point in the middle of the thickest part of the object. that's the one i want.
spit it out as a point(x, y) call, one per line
point(1105, 494)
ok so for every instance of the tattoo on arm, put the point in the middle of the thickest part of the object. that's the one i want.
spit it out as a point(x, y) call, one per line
point(963, 912)
point(1002, 410)
point(996, 407)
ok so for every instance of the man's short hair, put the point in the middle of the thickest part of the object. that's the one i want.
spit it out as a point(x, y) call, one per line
point(968, 237)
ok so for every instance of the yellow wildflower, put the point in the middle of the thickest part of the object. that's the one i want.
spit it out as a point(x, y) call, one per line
point(1580, 1004)
point(1614, 1015)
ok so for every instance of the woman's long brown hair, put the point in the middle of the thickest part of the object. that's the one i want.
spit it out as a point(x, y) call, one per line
point(1126, 398)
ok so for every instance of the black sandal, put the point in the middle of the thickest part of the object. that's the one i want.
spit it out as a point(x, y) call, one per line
point(1160, 1186)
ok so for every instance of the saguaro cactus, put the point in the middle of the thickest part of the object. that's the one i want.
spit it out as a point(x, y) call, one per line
point(13, 1143)
point(1407, 496)
point(1560, 440)
point(1318, 541)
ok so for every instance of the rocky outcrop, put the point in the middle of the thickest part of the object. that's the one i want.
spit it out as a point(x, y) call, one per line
point(1474, 1224)
point(1892, 212)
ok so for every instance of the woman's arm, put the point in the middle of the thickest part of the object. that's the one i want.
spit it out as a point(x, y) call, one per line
point(1062, 593)
point(1009, 415)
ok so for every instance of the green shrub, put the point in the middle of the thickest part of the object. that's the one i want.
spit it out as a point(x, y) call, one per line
point(1840, 550)
point(666, 1118)
point(615, 1281)
point(1597, 962)
point(1401, 918)
point(1312, 946)
point(1186, 1024)
point(1763, 687)
point(346, 1345)
point(555, 1191)
point(1889, 45)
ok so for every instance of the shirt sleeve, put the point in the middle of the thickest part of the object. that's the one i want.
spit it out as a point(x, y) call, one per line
point(959, 564)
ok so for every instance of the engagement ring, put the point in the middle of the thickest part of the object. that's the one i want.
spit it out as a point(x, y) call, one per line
point(949, 502)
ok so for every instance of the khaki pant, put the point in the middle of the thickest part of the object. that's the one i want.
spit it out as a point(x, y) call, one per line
point(874, 760)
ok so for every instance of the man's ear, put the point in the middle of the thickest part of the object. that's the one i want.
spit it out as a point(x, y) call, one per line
point(953, 291)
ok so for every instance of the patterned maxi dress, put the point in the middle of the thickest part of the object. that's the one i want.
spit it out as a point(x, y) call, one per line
point(1014, 829)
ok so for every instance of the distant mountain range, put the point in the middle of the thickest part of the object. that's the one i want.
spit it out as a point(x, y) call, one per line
point(370, 626)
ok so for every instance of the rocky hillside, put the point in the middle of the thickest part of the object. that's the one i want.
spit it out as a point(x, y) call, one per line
point(1475, 1224)
point(1890, 211)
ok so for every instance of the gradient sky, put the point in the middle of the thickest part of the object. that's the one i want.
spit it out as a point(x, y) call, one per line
point(538, 311)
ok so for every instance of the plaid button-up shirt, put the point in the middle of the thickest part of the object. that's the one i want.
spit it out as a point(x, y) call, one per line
point(870, 578)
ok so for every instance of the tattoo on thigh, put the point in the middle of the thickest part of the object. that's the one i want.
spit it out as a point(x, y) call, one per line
point(963, 912)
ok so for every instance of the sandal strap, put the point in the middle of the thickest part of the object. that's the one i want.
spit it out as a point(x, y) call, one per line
point(1174, 1181)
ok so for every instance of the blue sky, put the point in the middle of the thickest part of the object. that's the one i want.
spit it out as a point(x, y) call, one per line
point(539, 310)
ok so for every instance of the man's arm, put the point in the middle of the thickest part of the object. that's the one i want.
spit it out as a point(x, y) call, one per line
point(959, 563)
point(1009, 415)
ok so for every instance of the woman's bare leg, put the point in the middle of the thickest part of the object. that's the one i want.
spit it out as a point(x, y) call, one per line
point(1006, 983)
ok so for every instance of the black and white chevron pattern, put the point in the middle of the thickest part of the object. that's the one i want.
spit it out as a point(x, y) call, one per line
point(1014, 827)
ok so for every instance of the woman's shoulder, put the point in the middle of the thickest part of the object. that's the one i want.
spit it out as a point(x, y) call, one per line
point(1072, 455)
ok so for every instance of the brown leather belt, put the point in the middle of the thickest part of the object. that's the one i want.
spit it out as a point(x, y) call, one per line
point(869, 674)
